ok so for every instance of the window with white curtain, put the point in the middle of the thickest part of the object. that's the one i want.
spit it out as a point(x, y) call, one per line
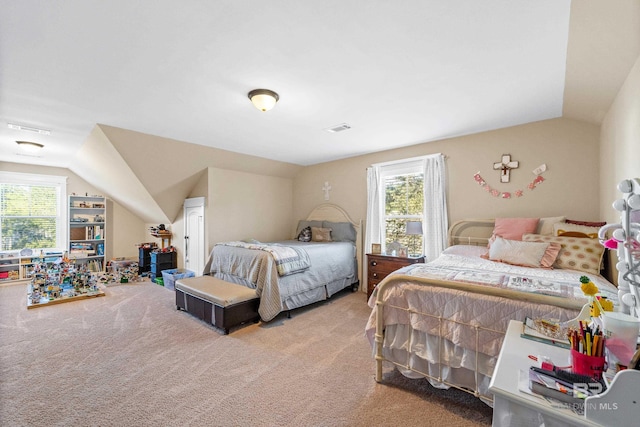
point(408, 190)
point(403, 195)
point(32, 211)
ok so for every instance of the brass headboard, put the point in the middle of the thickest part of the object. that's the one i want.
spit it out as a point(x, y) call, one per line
point(471, 232)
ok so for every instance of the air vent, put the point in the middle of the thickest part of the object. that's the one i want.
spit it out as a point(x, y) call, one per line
point(29, 129)
point(338, 128)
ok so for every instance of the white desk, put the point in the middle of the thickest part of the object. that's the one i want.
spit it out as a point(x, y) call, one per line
point(512, 407)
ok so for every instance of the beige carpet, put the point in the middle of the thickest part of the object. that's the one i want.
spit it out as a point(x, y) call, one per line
point(132, 359)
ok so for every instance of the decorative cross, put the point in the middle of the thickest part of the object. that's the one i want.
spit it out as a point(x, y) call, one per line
point(326, 188)
point(505, 166)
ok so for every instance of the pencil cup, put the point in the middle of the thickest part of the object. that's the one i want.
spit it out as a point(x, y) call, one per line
point(587, 365)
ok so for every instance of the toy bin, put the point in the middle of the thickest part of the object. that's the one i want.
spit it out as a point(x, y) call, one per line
point(170, 276)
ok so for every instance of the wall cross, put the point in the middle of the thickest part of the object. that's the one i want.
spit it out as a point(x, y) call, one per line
point(326, 188)
point(505, 167)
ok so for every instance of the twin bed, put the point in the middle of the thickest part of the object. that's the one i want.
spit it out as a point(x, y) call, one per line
point(445, 320)
point(290, 274)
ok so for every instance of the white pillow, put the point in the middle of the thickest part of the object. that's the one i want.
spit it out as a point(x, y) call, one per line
point(516, 252)
point(545, 225)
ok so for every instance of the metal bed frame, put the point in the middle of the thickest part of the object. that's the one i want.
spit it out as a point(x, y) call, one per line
point(466, 232)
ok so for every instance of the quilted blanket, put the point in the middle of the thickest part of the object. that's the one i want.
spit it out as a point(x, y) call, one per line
point(288, 259)
point(471, 290)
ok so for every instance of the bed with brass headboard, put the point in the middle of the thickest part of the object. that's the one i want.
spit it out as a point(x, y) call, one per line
point(445, 320)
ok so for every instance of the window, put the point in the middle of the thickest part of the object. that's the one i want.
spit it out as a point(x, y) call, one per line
point(403, 201)
point(407, 190)
point(32, 211)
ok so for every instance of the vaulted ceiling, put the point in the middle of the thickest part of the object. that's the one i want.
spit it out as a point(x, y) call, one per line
point(398, 73)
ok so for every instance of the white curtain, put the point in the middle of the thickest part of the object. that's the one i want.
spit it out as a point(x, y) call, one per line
point(373, 233)
point(435, 217)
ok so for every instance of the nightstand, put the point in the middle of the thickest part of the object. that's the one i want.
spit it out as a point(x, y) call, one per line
point(380, 266)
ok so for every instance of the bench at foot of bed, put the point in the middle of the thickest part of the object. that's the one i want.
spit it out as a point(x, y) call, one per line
point(222, 304)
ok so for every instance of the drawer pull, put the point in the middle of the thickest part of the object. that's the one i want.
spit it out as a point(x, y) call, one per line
point(373, 263)
point(375, 275)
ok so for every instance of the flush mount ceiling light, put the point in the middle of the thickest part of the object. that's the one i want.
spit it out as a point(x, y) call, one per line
point(263, 99)
point(29, 147)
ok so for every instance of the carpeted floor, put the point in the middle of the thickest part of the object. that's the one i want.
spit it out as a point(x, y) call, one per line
point(132, 359)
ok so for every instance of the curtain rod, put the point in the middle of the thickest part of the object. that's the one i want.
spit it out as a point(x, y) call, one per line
point(411, 159)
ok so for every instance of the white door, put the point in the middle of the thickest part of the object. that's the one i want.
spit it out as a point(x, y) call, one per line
point(194, 255)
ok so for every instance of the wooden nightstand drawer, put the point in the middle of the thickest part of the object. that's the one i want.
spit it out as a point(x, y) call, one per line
point(380, 266)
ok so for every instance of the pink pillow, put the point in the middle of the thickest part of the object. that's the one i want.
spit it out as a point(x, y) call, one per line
point(514, 228)
point(550, 255)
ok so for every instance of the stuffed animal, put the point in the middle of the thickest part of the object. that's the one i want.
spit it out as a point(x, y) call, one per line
point(305, 235)
point(598, 304)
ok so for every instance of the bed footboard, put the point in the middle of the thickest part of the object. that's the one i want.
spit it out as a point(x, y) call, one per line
point(440, 363)
point(429, 354)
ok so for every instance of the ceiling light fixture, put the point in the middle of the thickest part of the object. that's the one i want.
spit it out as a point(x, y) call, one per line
point(29, 147)
point(263, 99)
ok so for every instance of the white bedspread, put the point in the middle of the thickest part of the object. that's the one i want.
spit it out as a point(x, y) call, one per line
point(482, 293)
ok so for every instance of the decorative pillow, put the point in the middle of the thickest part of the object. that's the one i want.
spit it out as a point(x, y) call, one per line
point(545, 225)
point(305, 235)
point(525, 254)
point(319, 234)
point(576, 254)
point(341, 231)
point(570, 230)
point(514, 228)
point(587, 223)
point(304, 223)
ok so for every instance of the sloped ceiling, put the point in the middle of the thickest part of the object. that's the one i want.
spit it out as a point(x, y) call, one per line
point(604, 43)
point(155, 174)
point(400, 73)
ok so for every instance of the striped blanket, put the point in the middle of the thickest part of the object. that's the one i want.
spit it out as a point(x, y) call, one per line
point(288, 259)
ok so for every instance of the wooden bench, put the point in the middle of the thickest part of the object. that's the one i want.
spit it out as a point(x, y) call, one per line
point(222, 304)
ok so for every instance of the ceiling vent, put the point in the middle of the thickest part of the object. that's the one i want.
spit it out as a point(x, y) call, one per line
point(29, 129)
point(338, 128)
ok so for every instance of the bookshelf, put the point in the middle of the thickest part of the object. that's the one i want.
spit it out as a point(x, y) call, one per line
point(87, 231)
point(18, 265)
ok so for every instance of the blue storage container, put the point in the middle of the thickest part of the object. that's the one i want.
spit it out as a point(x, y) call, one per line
point(170, 276)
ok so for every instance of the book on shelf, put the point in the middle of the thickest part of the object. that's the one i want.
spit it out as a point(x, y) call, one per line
point(531, 332)
point(82, 253)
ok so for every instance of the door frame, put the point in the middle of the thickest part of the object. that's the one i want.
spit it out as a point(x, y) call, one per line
point(190, 203)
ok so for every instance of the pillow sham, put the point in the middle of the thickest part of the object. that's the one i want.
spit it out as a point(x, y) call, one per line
point(580, 254)
point(305, 234)
point(341, 231)
point(545, 225)
point(571, 230)
point(514, 228)
point(525, 254)
point(320, 234)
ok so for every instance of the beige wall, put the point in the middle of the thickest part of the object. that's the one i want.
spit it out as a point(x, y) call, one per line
point(620, 143)
point(569, 148)
point(242, 205)
point(124, 229)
